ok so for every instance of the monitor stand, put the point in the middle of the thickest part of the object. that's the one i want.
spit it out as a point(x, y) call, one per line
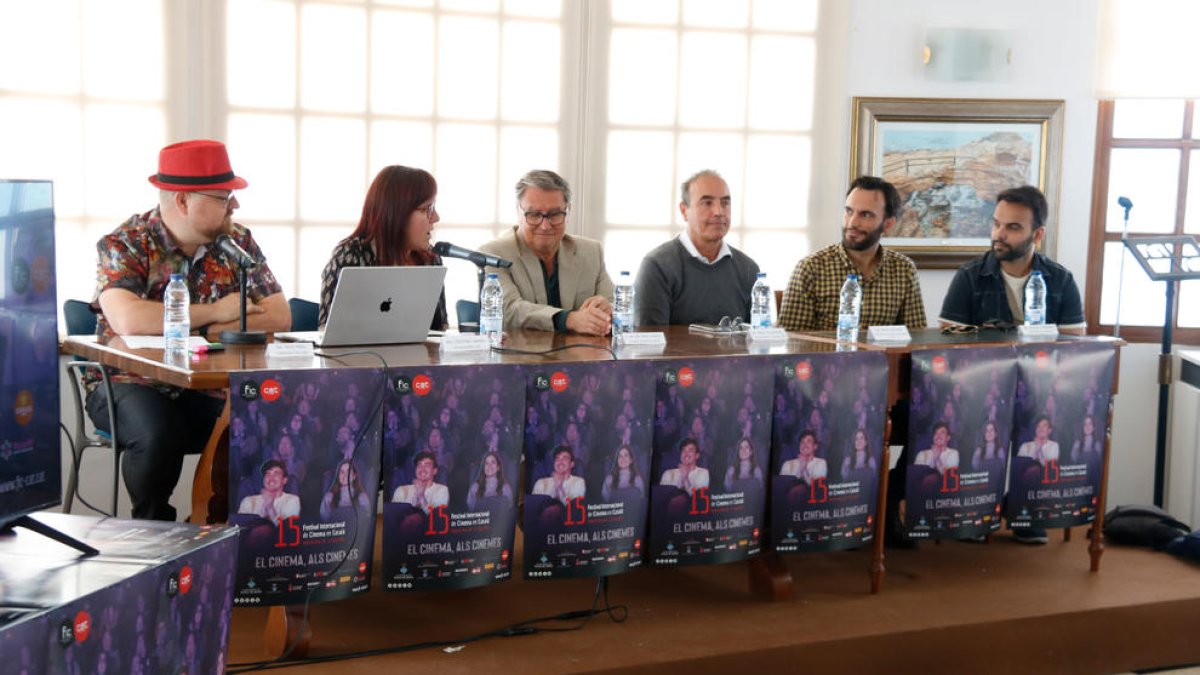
point(32, 525)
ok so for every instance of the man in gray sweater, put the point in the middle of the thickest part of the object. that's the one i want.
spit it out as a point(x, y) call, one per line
point(696, 277)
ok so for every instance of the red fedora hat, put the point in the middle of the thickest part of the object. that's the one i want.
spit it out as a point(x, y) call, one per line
point(195, 165)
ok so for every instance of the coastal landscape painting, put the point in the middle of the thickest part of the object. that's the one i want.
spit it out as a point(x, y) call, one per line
point(949, 159)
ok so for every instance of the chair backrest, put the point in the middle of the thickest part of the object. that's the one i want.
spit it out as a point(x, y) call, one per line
point(81, 320)
point(778, 302)
point(468, 311)
point(304, 314)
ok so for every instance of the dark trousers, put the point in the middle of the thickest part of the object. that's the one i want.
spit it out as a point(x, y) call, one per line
point(155, 431)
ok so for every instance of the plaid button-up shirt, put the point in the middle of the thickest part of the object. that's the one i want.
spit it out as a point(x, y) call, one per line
point(891, 296)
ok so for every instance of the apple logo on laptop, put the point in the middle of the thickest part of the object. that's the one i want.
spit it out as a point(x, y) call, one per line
point(386, 305)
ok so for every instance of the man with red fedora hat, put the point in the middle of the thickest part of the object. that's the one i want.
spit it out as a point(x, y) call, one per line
point(160, 424)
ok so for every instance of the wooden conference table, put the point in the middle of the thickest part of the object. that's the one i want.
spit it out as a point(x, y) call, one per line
point(212, 371)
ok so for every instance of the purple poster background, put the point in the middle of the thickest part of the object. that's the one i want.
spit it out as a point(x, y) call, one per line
point(712, 434)
point(826, 447)
point(587, 458)
point(451, 452)
point(303, 474)
point(172, 617)
point(1060, 419)
point(960, 414)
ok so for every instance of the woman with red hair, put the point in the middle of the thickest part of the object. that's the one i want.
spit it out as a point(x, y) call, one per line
point(396, 228)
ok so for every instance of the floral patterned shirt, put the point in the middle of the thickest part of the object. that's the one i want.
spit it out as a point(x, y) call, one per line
point(141, 255)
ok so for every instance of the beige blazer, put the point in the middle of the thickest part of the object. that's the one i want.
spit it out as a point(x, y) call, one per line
point(581, 274)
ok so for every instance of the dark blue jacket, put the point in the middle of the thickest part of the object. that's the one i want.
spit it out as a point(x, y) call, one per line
point(977, 293)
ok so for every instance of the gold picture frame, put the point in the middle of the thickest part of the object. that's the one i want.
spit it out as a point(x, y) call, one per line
point(949, 158)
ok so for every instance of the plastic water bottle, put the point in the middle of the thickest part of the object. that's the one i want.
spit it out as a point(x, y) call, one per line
point(760, 303)
point(1035, 300)
point(850, 309)
point(177, 322)
point(623, 305)
point(491, 309)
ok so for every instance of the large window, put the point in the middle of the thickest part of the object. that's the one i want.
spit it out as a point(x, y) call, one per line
point(83, 102)
point(1149, 152)
point(625, 98)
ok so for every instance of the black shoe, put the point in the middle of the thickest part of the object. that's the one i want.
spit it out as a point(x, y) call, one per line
point(894, 539)
point(1031, 535)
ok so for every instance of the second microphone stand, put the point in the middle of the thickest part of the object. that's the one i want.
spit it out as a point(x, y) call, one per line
point(243, 336)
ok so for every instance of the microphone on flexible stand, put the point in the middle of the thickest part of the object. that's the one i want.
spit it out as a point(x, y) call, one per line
point(448, 250)
point(1127, 204)
point(481, 260)
point(243, 261)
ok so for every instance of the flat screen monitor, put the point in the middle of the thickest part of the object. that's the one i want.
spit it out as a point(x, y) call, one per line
point(30, 450)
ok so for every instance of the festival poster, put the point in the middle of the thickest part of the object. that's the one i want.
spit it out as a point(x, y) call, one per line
point(712, 435)
point(960, 417)
point(451, 453)
point(826, 449)
point(304, 448)
point(1060, 422)
point(587, 458)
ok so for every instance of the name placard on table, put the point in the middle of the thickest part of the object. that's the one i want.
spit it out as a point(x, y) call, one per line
point(892, 334)
point(1047, 331)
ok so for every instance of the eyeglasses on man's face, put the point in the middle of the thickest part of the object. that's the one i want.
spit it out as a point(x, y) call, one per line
point(225, 199)
point(557, 217)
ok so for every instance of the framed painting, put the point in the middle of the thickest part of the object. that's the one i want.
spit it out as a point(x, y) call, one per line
point(949, 158)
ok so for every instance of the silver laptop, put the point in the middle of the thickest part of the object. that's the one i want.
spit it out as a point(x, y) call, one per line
point(378, 306)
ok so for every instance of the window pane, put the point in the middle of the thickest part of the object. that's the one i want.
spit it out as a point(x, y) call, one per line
point(121, 144)
point(782, 83)
point(122, 49)
point(550, 9)
point(1191, 224)
point(523, 149)
point(316, 245)
point(333, 60)
point(260, 53)
point(466, 173)
point(46, 66)
point(624, 249)
point(43, 139)
point(262, 148)
point(1141, 299)
point(777, 253)
point(332, 190)
point(75, 265)
point(716, 13)
point(1150, 178)
point(713, 80)
point(1195, 121)
point(1148, 118)
point(721, 152)
point(402, 64)
point(406, 3)
point(530, 47)
point(641, 76)
point(639, 178)
point(639, 11)
point(777, 180)
point(278, 244)
point(488, 6)
point(406, 143)
point(467, 49)
point(798, 15)
point(1189, 304)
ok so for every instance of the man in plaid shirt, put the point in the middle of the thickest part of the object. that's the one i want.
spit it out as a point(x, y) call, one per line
point(891, 290)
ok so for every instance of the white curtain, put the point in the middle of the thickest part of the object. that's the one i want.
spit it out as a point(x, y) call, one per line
point(1149, 49)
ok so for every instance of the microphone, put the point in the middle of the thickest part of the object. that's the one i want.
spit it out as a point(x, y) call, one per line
point(1125, 203)
point(448, 250)
point(235, 253)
